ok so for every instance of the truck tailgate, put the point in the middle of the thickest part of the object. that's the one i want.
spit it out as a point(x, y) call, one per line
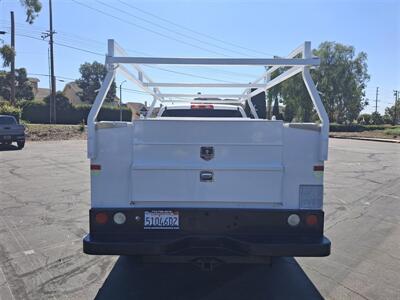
point(244, 166)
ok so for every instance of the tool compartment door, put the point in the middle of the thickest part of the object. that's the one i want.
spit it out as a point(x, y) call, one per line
point(171, 165)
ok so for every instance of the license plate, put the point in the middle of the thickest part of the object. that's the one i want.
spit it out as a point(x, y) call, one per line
point(7, 137)
point(161, 219)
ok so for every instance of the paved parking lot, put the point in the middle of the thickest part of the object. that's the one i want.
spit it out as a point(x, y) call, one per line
point(44, 201)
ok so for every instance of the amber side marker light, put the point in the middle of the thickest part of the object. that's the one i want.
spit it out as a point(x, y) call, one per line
point(311, 220)
point(101, 218)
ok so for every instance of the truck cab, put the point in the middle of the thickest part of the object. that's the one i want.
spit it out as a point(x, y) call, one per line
point(202, 110)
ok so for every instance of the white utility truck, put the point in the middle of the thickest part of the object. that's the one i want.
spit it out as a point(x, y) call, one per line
point(202, 180)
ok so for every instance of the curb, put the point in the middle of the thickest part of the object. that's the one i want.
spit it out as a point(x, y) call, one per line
point(365, 139)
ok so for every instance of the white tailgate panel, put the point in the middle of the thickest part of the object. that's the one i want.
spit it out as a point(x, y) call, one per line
point(247, 163)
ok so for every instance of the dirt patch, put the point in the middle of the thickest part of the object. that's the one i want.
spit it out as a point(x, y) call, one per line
point(380, 134)
point(44, 132)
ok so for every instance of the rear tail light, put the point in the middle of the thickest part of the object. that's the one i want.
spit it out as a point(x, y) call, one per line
point(311, 220)
point(101, 218)
point(202, 106)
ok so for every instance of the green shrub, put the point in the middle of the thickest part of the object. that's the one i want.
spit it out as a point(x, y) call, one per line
point(355, 127)
point(7, 109)
point(393, 131)
point(38, 112)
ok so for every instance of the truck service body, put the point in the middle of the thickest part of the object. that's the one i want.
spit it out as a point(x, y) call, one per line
point(202, 179)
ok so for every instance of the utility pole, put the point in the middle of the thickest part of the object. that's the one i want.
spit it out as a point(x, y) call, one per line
point(53, 118)
point(396, 94)
point(12, 96)
point(376, 99)
point(120, 100)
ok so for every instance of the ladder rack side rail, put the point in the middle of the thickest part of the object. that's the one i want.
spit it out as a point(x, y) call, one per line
point(288, 62)
point(98, 102)
point(318, 104)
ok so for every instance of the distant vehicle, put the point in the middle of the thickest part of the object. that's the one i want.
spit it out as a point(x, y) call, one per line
point(205, 181)
point(11, 131)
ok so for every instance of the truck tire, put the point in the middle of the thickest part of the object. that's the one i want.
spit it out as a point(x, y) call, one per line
point(21, 145)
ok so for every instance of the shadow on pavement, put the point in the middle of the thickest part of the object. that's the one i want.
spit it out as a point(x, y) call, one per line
point(285, 279)
point(4, 147)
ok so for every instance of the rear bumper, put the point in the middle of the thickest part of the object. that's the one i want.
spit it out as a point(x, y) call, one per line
point(210, 232)
point(12, 138)
point(211, 246)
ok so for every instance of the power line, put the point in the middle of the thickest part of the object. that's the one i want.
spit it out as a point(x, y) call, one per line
point(171, 30)
point(187, 74)
point(193, 31)
point(150, 66)
point(84, 39)
point(145, 28)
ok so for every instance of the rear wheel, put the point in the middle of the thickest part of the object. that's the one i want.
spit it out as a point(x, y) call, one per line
point(21, 144)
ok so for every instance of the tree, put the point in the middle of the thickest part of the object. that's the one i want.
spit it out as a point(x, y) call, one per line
point(62, 102)
point(23, 86)
point(32, 9)
point(341, 79)
point(376, 118)
point(390, 113)
point(92, 75)
point(364, 119)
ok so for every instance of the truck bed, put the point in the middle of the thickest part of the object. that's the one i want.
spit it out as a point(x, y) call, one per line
point(255, 164)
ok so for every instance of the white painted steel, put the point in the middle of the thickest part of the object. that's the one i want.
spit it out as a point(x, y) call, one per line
point(284, 62)
point(156, 162)
point(212, 85)
point(201, 95)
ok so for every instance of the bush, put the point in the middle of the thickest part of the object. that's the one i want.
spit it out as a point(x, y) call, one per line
point(364, 119)
point(355, 127)
point(376, 118)
point(7, 109)
point(393, 131)
point(38, 112)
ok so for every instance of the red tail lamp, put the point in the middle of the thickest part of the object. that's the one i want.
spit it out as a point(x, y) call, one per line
point(311, 220)
point(101, 218)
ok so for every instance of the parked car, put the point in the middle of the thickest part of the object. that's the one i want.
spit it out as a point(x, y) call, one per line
point(11, 131)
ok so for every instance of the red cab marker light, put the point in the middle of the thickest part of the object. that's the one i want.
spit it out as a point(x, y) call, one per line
point(319, 168)
point(101, 218)
point(311, 220)
point(202, 106)
point(95, 167)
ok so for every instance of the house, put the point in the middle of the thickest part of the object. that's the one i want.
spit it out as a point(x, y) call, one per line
point(71, 91)
point(136, 108)
point(38, 93)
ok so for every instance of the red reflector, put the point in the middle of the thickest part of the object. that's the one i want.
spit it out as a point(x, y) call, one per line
point(311, 220)
point(202, 106)
point(95, 167)
point(101, 218)
point(319, 168)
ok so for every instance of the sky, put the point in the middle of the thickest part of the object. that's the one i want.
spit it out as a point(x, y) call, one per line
point(206, 28)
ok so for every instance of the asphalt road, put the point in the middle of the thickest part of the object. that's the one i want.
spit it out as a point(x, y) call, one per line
point(44, 201)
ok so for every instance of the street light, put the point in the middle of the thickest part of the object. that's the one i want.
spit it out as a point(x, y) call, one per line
point(120, 100)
